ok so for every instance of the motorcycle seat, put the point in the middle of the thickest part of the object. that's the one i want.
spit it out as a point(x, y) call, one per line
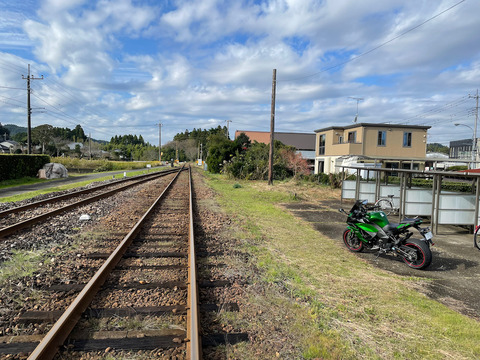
point(409, 221)
point(391, 226)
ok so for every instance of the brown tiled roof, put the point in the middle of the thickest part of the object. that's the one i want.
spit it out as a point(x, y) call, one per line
point(301, 141)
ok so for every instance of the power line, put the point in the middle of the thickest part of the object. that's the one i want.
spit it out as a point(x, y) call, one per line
point(13, 99)
point(12, 88)
point(376, 47)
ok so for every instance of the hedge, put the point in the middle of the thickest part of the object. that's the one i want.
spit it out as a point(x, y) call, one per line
point(18, 166)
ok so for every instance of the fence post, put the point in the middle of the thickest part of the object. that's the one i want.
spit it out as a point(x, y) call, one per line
point(477, 194)
point(437, 202)
point(357, 185)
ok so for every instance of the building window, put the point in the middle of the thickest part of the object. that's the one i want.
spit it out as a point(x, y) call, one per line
point(352, 137)
point(382, 137)
point(407, 139)
point(321, 145)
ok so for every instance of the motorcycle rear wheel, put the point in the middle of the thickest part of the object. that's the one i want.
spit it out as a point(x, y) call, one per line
point(351, 241)
point(421, 255)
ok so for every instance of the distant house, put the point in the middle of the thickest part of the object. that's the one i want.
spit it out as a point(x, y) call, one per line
point(377, 145)
point(8, 146)
point(72, 145)
point(304, 143)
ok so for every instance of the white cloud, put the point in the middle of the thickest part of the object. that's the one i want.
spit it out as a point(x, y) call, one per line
point(201, 62)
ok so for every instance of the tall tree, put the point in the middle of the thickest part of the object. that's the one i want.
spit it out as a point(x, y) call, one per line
point(4, 133)
point(42, 135)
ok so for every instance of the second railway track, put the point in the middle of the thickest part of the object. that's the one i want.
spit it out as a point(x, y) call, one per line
point(17, 218)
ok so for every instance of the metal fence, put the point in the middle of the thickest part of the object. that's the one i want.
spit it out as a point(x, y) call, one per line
point(429, 200)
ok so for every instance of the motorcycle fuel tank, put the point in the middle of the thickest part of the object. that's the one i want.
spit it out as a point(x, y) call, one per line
point(378, 217)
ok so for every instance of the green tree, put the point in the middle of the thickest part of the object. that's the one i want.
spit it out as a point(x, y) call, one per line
point(252, 164)
point(20, 137)
point(42, 135)
point(78, 134)
point(78, 150)
point(436, 147)
point(220, 150)
point(4, 133)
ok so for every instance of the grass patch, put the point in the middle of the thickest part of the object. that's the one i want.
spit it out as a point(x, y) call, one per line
point(339, 306)
point(21, 264)
point(101, 165)
point(22, 181)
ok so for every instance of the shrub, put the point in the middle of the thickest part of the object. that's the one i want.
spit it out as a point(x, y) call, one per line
point(457, 168)
point(18, 166)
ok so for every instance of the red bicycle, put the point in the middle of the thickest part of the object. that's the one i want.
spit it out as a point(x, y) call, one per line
point(475, 240)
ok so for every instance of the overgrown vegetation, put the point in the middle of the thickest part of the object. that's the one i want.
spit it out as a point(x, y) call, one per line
point(322, 298)
point(428, 183)
point(75, 164)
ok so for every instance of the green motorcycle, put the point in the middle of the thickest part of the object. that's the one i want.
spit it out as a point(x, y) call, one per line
point(372, 230)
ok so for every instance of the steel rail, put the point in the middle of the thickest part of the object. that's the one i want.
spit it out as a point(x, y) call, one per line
point(23, 224)
point(194, 346)
point(48, 347)
point(76, 193)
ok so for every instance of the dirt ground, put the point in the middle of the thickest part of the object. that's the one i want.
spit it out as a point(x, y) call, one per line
point(454, 275)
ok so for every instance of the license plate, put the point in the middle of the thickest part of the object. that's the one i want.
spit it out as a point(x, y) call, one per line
point(428, 235)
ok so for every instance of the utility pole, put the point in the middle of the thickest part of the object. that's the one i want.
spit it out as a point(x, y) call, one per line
point(272, 127)
point(474, 148)
point(228, 131)
point(358, 99)
point(29, 109)
point(160, 141)
point(90, 145)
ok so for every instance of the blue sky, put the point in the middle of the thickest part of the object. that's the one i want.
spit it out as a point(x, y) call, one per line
point(121, 66)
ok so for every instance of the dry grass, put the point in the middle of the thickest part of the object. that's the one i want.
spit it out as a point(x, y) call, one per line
point(338, 306)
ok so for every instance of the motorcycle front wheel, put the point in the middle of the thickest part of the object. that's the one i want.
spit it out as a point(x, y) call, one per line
point(418, 255)
point(351, 241)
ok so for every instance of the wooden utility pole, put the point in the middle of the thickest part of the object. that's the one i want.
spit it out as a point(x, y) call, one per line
point(160, 141)
point(29, 109)
point(272, 127)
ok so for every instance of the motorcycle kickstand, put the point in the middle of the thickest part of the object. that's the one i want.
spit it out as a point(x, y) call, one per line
point(380, 251)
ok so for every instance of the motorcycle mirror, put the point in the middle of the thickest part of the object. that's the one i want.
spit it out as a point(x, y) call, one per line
point(364, 202)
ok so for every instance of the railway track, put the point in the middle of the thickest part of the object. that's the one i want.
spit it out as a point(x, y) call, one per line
point(11, 222)
point(149, 277)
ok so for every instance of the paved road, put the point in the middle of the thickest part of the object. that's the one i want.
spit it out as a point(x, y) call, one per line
point(22, 189)
point(455, 268)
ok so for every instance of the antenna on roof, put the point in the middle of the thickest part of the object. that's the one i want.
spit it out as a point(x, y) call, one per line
point(358, 99)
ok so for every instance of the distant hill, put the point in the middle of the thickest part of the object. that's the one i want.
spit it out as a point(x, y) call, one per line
point(14, 129)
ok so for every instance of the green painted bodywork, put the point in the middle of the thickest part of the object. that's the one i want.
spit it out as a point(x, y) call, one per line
point(367, 227)
point(379, 218)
